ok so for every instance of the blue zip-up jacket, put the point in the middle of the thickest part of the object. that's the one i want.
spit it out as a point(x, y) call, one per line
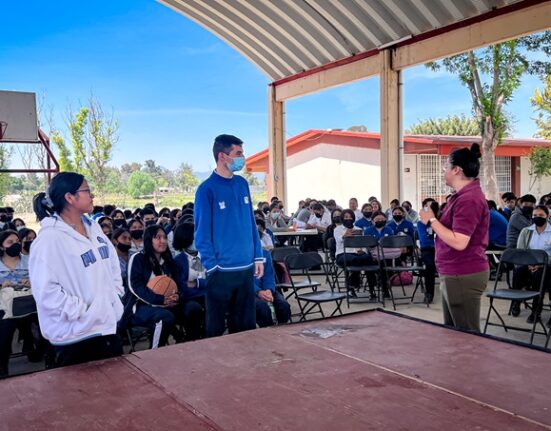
point(225, 229)
point(498, 228)
point(364, 224)
point(373, 231)
point(426, 239)
point(405, 227)
point(267, 282)
point(182, 263)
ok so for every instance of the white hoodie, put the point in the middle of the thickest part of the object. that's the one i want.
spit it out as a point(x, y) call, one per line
point(76, 282)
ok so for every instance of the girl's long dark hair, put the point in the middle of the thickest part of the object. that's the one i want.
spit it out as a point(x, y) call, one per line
point(149, 253)
point(53, 201)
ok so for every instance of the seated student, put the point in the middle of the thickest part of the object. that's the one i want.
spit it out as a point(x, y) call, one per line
point(259, 215)
point(274, 219)
point(18, 223)
point(191, 280)
point(426, 243)
point(353, 205)
point(498, 228)
point(399, 225)
point(336, 219)
point(394, 203)
point(156, 312)
point(520, 218)
point(26, 236)
point(164, 220)
point(353, 257)
point(265, 239)
point(266, 293)
point(509, 204)
point(119, 219)
point(107, 229)
point(410, 213)
point(14, 274)
point(379, 228)
point(364, 221)
point(149, 216)
point(136, 229)
point(320, 220)
point(123, 242)
point(376, 207)
point(537, 237)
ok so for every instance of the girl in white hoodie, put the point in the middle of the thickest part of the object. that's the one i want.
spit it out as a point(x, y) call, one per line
point(75, 274)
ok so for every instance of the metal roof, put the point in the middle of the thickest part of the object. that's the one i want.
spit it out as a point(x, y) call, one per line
point(286, 37)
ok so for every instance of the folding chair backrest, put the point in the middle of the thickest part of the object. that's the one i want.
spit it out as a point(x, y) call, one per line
point(280, 253)
point(360, 242)
point(518, 256)
point(332, 247)
point(303, 261)
point(396, 241)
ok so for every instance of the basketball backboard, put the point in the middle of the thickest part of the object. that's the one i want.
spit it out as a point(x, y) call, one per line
point(18, 119)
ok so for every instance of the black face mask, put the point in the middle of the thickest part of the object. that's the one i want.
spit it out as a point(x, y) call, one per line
point(318, 215)
point(119, 223)
point(379, 224)
point(13, 250)
point(527, 211)
point(398, 218)
point(150, 223)
point(109, 235)
point(123, 247)
point(4, 218)
point(407, 208)
point(136, 234)
point(367, 214)
point(539, 221)
point(349, 224)
point(27, 245)
point(10, 217)
point(266, 210)
point(337, 220)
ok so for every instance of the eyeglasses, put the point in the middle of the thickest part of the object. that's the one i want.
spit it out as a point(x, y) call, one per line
point(84, 190)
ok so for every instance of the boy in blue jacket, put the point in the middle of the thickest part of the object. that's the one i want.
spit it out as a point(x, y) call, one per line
point(227, 240)
point(266, 293)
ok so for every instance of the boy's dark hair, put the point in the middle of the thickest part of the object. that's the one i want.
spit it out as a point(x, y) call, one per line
point(528, 198)
point(507, 196)
point(223, 144)
point(108, 209)
point(183, 236)
point(127, 214)
point(261, 223)
point(147, 211)
point(543, 208)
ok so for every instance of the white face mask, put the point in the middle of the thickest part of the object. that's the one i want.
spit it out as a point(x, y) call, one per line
point(19, 228)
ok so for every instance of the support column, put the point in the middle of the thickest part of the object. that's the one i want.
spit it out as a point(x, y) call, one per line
point(277, 153)
point(391, 112)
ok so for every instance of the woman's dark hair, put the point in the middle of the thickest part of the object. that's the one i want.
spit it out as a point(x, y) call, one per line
point(53, 201)
point(135, 220)
point(118, 232)
point(336, 210)
point(399, 208)
point(24, 232)
point(260, 222)
point(4, 235)
point(127, 214)
point(149, 252)
point(274, 206)
point(20, 219)
point(108, 210)
point(492, 204)
point(104, 218)
point(467, 159)
point(350, 212)
point(378, 213)
point(183, 236)
point(117, 211)
point(538, 207)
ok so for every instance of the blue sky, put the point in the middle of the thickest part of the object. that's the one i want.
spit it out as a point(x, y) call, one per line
point(173, 86)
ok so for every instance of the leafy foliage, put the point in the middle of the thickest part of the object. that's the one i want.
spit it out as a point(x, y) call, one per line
point(451, 125)
point(542, 103)
point(141, 184)
point(540, 164)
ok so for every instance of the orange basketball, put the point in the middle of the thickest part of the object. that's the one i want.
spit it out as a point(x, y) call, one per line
point(163, 285)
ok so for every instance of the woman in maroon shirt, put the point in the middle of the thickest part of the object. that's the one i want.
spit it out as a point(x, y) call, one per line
point(461, 241)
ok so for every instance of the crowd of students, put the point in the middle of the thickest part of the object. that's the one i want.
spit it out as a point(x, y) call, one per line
point(140, 244)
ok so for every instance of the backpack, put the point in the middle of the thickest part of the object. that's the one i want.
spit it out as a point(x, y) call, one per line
point(401, 279)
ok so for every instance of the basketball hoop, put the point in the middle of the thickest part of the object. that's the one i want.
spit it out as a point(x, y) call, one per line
point(3, 127)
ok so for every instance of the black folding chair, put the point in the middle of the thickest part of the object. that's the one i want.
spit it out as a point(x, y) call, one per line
point(411, 264)
point(520, 257)
point(307, 302)
point(371, 247)
point(334, 271)
point(278, 257)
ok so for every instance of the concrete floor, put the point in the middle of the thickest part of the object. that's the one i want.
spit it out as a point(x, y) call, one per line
point(433, 313)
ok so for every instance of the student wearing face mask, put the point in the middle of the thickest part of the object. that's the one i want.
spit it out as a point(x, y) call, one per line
point(227, 239)
point(136, 229)
point(379, 228)
point(149, 217)
point(119, 220)
point(336, 220)
point(521, 218)
point(537, 237)
point(320, 220)
point(265, 239)
point(399, 225)
point(122, 241)
point(364, 222)
point(353, 257)
point(18, 223)
point(410, 213)
point(26, 236)
point(4, 218)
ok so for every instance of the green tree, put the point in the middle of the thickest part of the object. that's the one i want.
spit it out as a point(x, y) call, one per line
point(5, 180)
point(542, 103)
point(458, 125)
point(92, 135)
point(186, 179)
point(359, 128)
point(140, 184)
point(492, 75)
point(540, 164)
point(251, 178)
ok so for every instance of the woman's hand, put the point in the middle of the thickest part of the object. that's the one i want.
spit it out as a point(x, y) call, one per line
point(425, 215)
point(7, 283)
point(25, 282)
point(171, 300)
point(192, 284)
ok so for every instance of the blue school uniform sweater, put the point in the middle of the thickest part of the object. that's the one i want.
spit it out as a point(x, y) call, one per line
point(225, 229)
point(267, 282)
point(405, 227)
point(426, 235)
point(373, 231)
point(364, 224)
point(498, 228)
